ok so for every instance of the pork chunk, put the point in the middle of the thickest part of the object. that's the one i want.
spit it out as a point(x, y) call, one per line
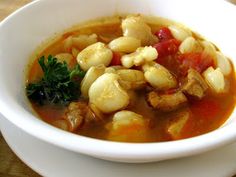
point(78, 113)
point(195, 85)
point(166, 102)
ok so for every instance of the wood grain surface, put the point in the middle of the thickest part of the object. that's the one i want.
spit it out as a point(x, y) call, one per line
point(10, 164)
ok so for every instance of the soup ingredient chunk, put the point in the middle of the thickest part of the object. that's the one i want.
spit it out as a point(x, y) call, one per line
point(223, 63)
point(167, 47)
point(77, 113)
point(125, 44)
point(215, 79)
point(166, 102)
point(135, 26)
point(209, 49)
point(82, 41)
point(164, 34)
point(91, 75)
point(141, 56)
point(57, 85)
point(127, 126)
point(195, 85)
point(159, 77)
point(190, 44)
point(131, 78)
point(107, 94)
point(94, 55)
point(179, 33)
point(79, 42)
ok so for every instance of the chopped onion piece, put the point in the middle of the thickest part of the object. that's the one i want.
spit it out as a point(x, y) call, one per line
point(209, 49)
point(223, 63)
point(215, 79)
point(190, 44)
point(179, 33)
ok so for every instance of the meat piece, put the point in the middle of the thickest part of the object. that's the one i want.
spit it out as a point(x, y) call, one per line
point(166, 102)
point(176, 127)
point(77, 113)
point(195, 84)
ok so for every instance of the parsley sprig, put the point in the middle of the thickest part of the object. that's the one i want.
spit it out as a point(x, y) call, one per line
point(59, 84)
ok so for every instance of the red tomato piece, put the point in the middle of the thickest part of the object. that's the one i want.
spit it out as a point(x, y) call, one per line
point(161, 60)
point(168, 47)
point(116, 60)
point(197, 61)
point(164, 34)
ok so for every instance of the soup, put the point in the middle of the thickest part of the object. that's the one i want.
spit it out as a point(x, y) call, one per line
point(132, 79)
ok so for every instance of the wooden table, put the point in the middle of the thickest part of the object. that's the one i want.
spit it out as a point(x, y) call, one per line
point(10, 164)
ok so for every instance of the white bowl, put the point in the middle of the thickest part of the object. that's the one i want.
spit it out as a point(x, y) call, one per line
point(44, 158)
point(25, 29)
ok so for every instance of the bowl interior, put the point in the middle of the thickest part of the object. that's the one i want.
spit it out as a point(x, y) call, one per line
point(23, 31)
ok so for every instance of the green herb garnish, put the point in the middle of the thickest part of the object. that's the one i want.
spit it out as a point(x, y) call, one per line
point(59, 84)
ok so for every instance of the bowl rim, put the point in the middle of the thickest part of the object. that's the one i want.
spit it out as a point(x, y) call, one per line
point(116, 151)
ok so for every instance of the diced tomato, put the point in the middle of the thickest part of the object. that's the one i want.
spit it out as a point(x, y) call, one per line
point(161, 60)
point(116, 60)
point(171, 63)
point(197, 61)
point(164, 34)
point(168, 47)
point(206, 109)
